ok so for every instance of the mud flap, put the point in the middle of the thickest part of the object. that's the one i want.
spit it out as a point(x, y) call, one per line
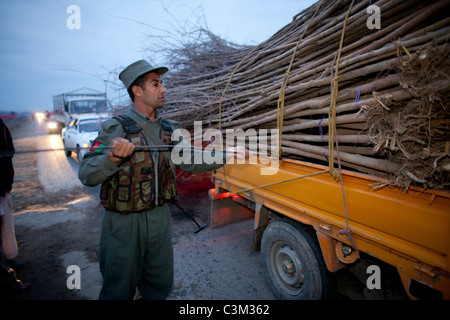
point(225, 209)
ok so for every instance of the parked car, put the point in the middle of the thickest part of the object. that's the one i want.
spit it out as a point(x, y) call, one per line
point(81, 131)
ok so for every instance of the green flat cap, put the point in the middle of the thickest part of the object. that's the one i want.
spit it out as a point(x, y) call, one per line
point(136, 69)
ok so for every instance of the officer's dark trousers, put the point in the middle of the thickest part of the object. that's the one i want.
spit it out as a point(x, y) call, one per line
point(136, 252)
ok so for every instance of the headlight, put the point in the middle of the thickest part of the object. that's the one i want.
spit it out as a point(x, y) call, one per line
point(86, 145)
point(52, 125)
point(39, 115)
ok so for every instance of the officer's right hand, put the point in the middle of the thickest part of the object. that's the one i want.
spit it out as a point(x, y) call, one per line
point(121, 148)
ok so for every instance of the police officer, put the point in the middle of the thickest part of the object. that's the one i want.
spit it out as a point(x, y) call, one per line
point(135, 242)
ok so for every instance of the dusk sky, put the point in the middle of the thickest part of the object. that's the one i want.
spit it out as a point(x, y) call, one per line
point(41, 56)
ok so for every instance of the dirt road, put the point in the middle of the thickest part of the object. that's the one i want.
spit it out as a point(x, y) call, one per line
point(58, 225)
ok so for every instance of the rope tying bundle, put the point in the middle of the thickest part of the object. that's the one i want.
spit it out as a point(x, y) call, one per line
point(280, 103)
point(337, 175)
point(229, 81)
point(334, 97)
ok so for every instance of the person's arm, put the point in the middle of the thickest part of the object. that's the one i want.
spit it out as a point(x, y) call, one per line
point(199, 164)
point(208, 159)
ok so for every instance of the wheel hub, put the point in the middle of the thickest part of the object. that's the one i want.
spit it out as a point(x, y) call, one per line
point(289, 267)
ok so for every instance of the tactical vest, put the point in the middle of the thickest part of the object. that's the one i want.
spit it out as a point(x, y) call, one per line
point(145, 180)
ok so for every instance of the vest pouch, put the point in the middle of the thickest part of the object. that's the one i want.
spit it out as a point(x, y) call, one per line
point(105, 194)
point(124, 201)
point(167, 191)
point(146, 186)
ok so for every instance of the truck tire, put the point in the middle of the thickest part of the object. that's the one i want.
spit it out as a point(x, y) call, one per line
point(293, 262)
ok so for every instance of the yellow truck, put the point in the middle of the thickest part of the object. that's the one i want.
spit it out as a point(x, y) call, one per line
point(306, 233)
point(310, 224)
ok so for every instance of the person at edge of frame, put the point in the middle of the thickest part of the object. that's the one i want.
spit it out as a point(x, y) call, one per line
point(8, 266)
point(135, 242)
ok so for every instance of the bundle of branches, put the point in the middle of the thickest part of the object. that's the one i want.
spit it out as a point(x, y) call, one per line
point(414, 132)
point(388, 79)
point(195, 67)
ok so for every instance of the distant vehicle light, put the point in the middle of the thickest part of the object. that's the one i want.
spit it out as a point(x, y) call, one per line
point(52, 125)
point(39, 115)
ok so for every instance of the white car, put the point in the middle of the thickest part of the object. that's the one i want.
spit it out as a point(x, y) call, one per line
point(79, 134)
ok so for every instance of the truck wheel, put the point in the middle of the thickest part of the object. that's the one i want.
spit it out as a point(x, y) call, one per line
point(293, 262)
